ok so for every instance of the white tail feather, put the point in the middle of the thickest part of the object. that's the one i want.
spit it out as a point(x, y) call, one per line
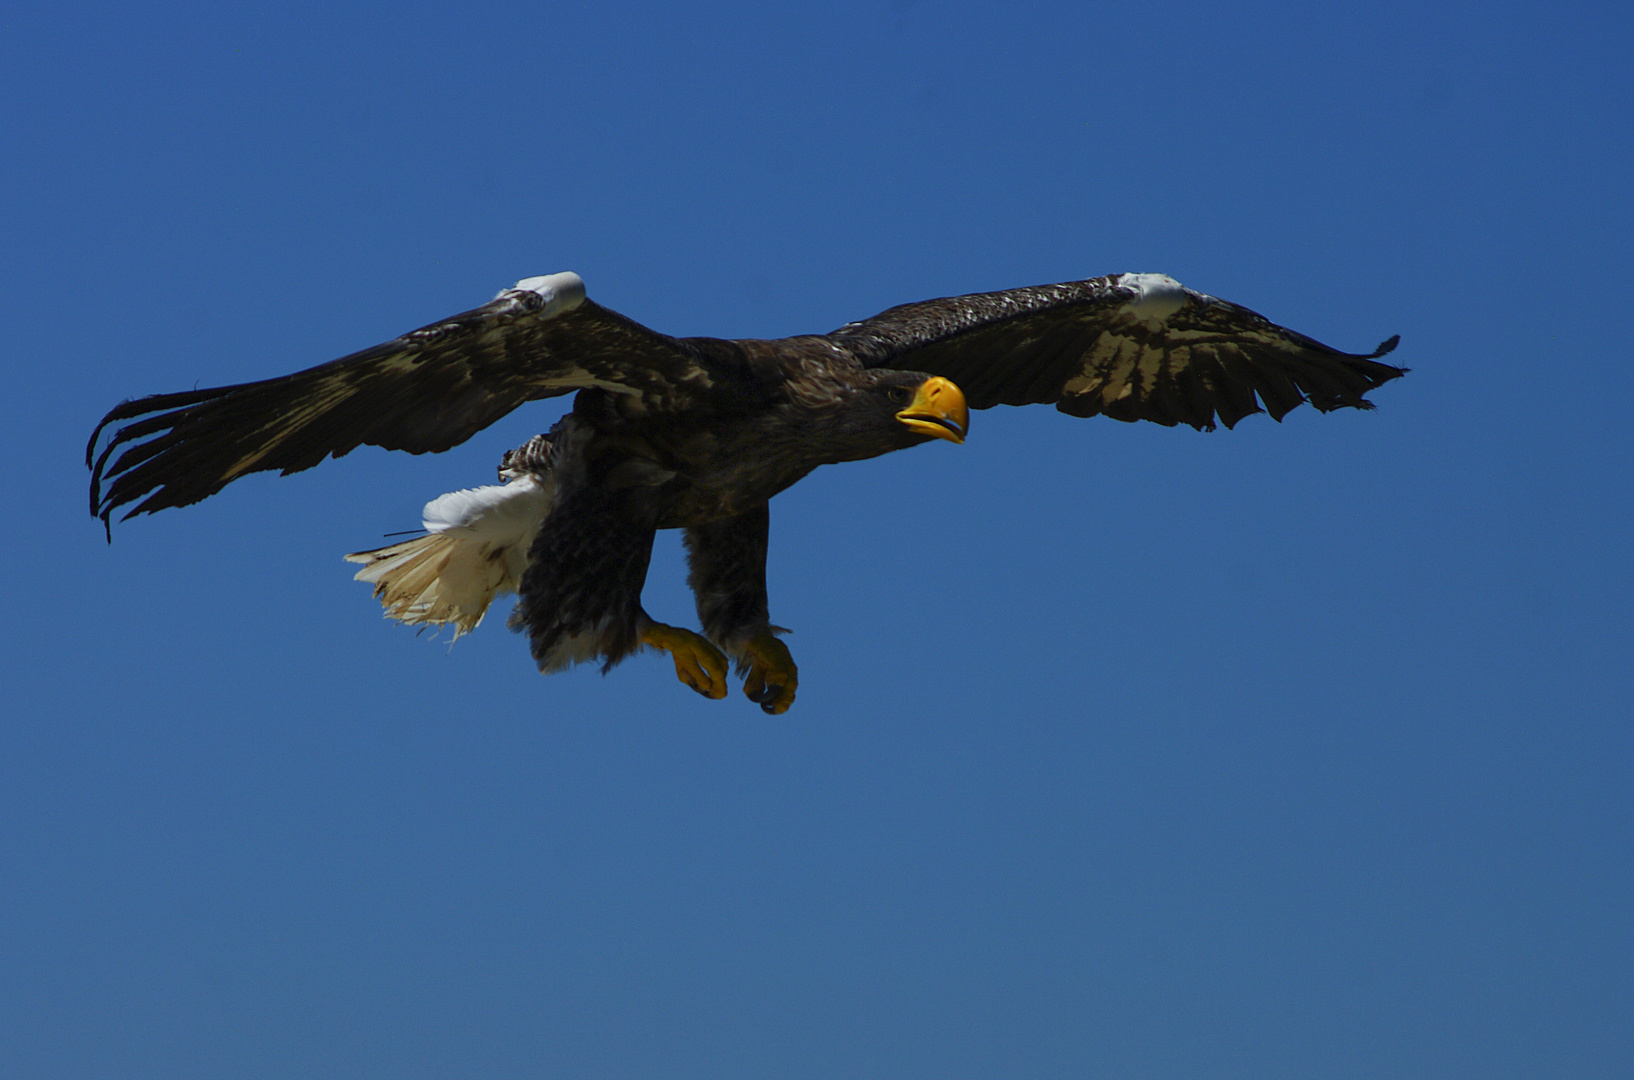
point(477, 548)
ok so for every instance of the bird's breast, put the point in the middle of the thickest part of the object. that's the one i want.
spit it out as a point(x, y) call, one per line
point(705, 471)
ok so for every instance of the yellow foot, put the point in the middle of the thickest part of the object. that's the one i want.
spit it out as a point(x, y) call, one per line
point(697, 663)
point(772, 674)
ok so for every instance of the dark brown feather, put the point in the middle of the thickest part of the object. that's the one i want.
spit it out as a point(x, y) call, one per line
point(1104, 346)
point(424, 392)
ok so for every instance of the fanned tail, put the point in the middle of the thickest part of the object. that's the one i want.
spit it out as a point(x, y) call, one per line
point(431, 581)
point(477, 549)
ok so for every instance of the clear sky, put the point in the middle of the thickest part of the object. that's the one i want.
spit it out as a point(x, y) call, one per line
point(1298, 750)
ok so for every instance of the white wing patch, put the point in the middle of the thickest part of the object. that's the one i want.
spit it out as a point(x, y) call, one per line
point(477, 548)
point(1157, 296)
point(560, 292)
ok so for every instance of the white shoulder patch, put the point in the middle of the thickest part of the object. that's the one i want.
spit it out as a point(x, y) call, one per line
point(560, 292)
point(1157, 296)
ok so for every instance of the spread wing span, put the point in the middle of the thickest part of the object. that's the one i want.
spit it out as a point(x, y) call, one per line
point(426, 391)
point(1130, 346)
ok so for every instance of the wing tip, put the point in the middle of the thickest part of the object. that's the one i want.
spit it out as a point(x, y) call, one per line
point(122, 411)
point(1385, 348)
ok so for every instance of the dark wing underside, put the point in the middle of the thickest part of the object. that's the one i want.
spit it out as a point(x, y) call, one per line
point(424, 392)
point(1130, 346)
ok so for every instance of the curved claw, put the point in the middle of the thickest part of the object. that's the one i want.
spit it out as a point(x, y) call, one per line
point(697, 663)
point(772, 675)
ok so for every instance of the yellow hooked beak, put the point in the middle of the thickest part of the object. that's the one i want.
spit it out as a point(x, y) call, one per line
point(938, 409)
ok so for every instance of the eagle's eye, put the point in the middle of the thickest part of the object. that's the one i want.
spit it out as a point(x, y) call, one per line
point(898, 394)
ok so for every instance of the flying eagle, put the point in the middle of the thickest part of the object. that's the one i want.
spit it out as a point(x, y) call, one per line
point(695, 434)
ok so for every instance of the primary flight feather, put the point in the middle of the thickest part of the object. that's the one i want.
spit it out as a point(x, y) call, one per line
point(696, 434)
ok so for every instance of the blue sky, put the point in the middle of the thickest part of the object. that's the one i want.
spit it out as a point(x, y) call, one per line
point(1297, 750)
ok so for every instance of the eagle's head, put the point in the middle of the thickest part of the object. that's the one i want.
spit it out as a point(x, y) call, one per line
point(892, 410)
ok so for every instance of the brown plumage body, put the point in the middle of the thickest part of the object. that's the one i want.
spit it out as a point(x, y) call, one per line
point(622, 472)
point(794, 405)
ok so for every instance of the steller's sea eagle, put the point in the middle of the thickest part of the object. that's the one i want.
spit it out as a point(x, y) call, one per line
point(695, 434)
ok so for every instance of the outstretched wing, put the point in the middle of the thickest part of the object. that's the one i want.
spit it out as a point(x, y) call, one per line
point(1131, 346)
point(424, 392)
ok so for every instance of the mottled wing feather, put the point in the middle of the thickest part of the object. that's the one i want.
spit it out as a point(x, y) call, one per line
point(1130, 346)
point(424, 392)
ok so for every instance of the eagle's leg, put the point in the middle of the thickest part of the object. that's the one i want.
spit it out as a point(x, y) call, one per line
point(697, 663)
point(772, 675)
point(581, 594)
point(728, 578)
